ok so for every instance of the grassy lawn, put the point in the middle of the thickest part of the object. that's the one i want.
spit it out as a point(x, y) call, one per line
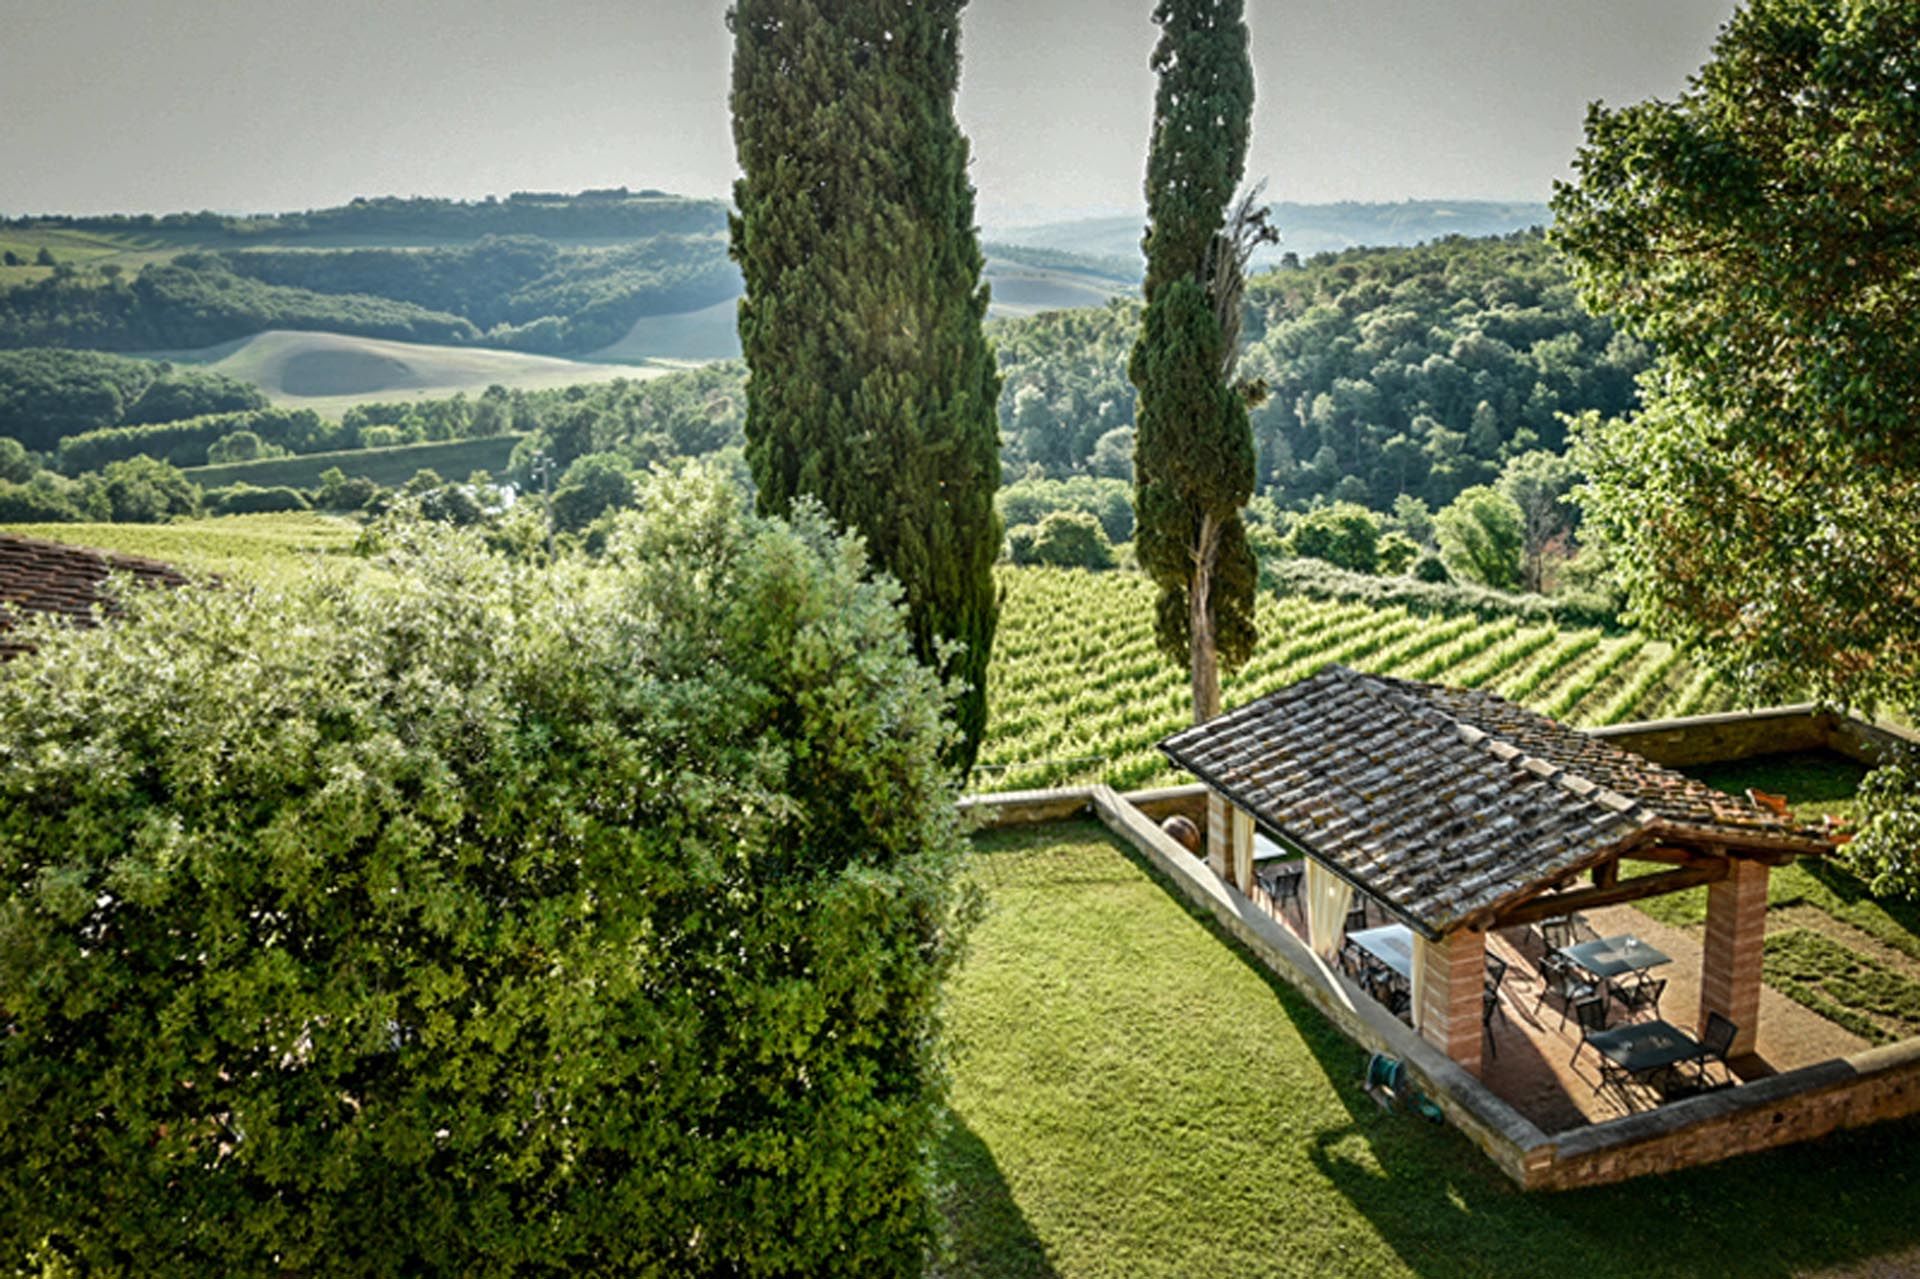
point(1134, 1096)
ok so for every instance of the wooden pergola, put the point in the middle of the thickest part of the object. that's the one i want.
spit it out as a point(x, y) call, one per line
point(1461, 813)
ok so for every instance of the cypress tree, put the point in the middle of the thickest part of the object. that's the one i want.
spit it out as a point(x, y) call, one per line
point(1193, 447)
point(871, 387)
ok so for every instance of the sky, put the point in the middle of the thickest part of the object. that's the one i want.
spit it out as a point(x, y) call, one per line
point(268, 105)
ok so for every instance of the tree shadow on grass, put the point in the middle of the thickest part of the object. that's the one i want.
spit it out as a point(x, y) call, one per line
point(987, 1234)
point(1445, 1209)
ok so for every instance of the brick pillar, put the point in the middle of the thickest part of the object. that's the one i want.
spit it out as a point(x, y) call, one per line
point(1730, 964)
point(1453, 973)
point(1219, 835)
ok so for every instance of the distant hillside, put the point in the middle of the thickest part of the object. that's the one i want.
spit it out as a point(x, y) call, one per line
point(1305, 229)
point(604, 275)
point(330, 372)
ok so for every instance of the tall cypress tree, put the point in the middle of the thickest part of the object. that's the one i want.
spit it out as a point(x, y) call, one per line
point(871, 385)
point(1193, 460)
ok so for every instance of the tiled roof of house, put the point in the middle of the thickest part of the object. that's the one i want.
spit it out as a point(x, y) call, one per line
point(1447, 802)
point(38, 576)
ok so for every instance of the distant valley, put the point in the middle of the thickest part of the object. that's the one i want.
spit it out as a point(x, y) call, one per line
point(393, 299)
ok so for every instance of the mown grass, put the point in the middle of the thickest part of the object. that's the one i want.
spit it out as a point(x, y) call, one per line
point(1133, 1096)
point(1843, 986)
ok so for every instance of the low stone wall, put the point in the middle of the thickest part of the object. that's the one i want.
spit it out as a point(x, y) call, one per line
point(1720, 739)
point(1868, 1087)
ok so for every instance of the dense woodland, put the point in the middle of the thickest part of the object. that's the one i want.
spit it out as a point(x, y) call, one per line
point(1413, 371)
point(547, 274)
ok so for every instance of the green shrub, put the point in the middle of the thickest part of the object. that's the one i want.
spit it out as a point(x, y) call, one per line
point(1344, 535)
point(245, 499)
point(474, 917)
point(1072, 539)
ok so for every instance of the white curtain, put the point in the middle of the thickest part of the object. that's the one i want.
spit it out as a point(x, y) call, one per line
point(1420, 945)
point(1242, 827)
point(1328, 897)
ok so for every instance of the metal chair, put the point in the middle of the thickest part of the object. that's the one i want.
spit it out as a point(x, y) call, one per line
point(1561, 976)
point(1591, 1014)
point(1716, 1042)
point(1556, 933)
point(1496, 973)
point(1641, 995)
point(1282, 883)
point(1489, 1009)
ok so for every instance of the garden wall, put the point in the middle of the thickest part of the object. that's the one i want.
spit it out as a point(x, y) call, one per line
point(1720, 739)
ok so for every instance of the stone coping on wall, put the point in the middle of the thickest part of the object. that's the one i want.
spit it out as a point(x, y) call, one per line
point(1737, 735)
point(1868, 1087)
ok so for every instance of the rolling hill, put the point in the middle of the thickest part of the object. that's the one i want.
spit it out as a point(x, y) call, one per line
point(1305, 229)
point(329, 372)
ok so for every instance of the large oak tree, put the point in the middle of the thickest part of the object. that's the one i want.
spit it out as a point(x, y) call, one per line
point(1764, 231)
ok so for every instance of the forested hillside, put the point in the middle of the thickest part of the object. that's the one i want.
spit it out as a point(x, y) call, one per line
point(1390, 371)
point(535, 272)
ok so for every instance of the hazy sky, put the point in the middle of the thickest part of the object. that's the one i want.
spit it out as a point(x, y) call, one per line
point(134, 105)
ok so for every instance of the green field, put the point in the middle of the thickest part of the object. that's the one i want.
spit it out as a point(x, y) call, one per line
point(1077, 691)
point(450, 459)
point(330, 373)
point(250, 547)
point(1134, 1096)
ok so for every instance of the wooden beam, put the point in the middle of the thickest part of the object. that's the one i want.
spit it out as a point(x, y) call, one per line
point(1606, 874)
point(1628, 890)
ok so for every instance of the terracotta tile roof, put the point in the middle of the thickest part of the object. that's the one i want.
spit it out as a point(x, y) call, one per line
point(38, 576)
point(1445, 802)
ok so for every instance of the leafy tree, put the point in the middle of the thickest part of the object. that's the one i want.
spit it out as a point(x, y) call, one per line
point(1113, 455)
point(44, 257)
point(872, 387)
point(1071, 539)
point(1193, 450)
point(16, 464)
point(143, 490)
point(593, 485)
point(480, 917)
point(1759, 232)
point(339, 492)
point(1482, 535)
point(241, 446)
point(1540, 484)
point(1344, 535)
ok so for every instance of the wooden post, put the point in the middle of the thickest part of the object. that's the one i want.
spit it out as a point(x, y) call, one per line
point(1730, 963)
point(1453, 974)
point(1219, 834)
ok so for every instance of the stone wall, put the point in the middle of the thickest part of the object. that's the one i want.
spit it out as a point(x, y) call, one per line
point(1719, 739)
point(1866, 1088)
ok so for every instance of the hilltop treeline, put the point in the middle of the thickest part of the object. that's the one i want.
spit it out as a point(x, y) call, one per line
point(615, 213)
point(172, 307)
point(46, 396)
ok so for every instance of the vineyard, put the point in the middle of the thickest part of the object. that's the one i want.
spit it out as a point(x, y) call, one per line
point(1077, 691)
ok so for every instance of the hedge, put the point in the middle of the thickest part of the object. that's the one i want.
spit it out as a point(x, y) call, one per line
point(1321, 580)
point(185, 443)
point(474, 917)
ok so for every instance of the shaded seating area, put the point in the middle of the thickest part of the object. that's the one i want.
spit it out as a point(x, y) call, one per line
point(1415, 823)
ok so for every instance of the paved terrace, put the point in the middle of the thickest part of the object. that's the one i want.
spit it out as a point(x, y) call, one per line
point(1530, 1064)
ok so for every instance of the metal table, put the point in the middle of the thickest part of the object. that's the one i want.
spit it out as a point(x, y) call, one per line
point(1391, 944)
point(1612, 956)
point(1642, 1047)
